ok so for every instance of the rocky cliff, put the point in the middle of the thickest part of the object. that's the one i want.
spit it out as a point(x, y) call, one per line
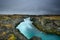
point(8, 23)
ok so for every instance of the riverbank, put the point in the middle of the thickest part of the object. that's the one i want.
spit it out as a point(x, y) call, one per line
point(8, 23)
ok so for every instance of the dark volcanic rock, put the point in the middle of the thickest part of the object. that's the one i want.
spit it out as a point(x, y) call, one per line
point(35, 38)
point(8, 23)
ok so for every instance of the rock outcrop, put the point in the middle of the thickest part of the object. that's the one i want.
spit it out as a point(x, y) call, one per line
point(8, 23)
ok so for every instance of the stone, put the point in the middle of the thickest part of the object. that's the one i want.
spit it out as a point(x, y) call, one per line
point(35, 38)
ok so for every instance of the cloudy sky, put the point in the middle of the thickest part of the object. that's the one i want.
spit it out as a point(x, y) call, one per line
point(37, 7)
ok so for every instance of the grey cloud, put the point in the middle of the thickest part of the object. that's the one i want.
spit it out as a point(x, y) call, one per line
point(30, 6)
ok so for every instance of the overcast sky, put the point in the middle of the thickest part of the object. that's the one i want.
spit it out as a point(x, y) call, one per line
point(30, 6)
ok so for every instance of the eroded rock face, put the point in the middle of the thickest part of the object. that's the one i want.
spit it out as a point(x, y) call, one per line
point(7, 28)
point(8, 23)
point(48, 24)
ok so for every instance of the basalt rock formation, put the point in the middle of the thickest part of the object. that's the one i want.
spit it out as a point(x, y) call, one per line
point(8, 23)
